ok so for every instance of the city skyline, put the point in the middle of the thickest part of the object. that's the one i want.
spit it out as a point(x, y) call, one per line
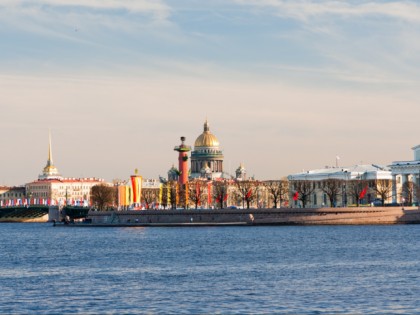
point(285, 85)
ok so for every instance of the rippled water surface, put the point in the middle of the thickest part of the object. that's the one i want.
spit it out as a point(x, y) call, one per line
point(227, 270)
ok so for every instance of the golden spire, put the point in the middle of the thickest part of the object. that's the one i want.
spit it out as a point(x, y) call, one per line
point(50, 159)
point(50, 171)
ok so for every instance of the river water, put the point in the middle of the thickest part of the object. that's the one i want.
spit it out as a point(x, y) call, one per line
point(201, 270)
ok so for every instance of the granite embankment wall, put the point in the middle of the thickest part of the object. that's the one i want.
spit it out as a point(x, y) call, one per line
point(287, 216)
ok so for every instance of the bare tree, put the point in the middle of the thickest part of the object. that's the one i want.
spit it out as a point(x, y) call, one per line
point(383, 188)
point(150, 196)
point(103, 196)
point(220, 192)
point(408, 192)
point(332, 188)
point(303, 190)
point(164, 202)
point(356, 187)
point(196, 191)
point(247, 189)
point(278, 190)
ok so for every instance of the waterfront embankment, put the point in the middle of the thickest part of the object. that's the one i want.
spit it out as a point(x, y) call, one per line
point(286, 216)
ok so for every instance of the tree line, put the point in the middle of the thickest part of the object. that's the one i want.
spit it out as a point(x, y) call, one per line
point(221, 193)
point(201, 193)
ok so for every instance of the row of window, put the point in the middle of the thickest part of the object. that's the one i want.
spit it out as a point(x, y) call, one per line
point(326, 201)
point(74, 187)
point(11, 195)
point(39, 187)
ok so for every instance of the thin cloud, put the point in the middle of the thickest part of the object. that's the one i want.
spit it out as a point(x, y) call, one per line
point(305, 10)
point(355, 42)
point(83, 21)
point(157, 8)
point(22, 14)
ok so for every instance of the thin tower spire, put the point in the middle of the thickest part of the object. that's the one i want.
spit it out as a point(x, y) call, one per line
point(50, 159)
point(50, 171)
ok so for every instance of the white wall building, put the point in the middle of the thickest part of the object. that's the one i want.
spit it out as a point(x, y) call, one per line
point(369, 173)
point(404, 172)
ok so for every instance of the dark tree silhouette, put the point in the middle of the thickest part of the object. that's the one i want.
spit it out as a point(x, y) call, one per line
point(103, 196)
point(196, 191)
point(383, 188)
point(164, 200)
point(408, 192)
point(278, 190)
point(247, 190)
point(355, 188)
point(332, 188)
point(220, 192)
point(304, 189)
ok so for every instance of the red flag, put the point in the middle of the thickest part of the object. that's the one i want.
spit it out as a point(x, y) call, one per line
point(225, 198)
point(363, 192)
point(248, 194)
point(296, 196)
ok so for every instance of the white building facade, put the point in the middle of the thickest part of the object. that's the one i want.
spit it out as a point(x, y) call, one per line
point(406, 179)
point(369, 175)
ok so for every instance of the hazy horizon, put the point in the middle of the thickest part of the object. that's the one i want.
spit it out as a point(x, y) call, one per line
point(285, 85)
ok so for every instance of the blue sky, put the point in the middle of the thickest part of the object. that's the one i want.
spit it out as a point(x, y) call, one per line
point(286, 85)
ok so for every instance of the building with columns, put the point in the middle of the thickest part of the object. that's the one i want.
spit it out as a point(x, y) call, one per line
point(206, 158)
point(406, 179)
point(369, 175)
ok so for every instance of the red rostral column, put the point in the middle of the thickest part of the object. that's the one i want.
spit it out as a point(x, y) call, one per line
point(183, 161)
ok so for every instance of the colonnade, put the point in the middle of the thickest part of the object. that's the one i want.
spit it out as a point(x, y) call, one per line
point(413, 177)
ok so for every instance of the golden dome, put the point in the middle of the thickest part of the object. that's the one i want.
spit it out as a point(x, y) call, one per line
point(206, 139)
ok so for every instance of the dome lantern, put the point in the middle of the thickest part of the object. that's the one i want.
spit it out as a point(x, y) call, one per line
point(206, 139)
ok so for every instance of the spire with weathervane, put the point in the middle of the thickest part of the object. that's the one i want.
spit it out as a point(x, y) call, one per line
point(206, 126)
point(50, 171)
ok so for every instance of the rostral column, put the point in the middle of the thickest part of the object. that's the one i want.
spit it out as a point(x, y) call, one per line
point(183, 161)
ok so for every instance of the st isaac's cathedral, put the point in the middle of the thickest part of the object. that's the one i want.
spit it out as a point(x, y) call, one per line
point(207, 158)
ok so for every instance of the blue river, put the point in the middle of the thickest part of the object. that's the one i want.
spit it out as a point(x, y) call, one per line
point(210, 270)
